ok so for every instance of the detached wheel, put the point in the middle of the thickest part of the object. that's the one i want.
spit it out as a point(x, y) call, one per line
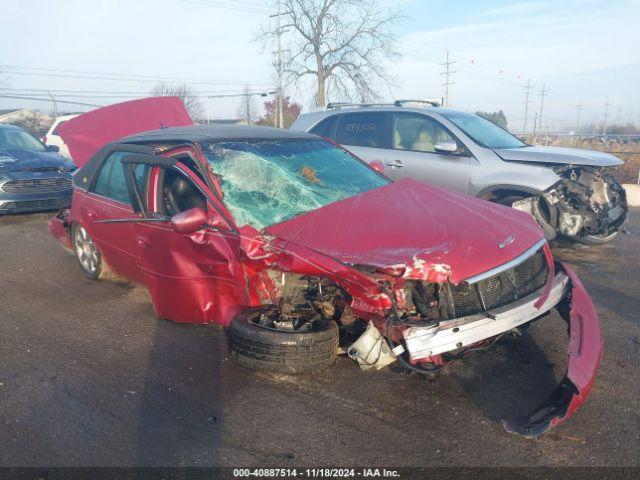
point(282, 351)
point(597, 239)
point(86, 252)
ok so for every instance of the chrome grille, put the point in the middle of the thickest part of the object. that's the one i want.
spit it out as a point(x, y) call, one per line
point(500, 289)
point(32, 205)
point(36, 185)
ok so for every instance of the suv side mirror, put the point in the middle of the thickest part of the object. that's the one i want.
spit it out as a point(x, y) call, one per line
point(189, 221)
point(446, 147)
point(53, 148)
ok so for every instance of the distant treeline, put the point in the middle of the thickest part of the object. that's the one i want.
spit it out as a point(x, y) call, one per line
point(499, 118)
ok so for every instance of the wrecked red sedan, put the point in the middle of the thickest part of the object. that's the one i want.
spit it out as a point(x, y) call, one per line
point(296, 246)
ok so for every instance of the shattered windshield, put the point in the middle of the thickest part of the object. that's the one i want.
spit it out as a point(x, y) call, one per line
point(482, 131)
point(268, 181)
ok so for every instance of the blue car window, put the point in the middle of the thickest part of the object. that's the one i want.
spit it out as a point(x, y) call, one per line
point(111, 181)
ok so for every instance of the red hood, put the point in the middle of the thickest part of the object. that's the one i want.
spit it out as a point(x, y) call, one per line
point(85, 134)
point(436, 233)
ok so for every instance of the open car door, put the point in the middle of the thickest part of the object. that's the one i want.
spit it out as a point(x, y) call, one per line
point(189, 255)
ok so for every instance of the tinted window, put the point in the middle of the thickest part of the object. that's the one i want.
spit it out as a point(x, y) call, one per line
point(16, 139)
point(325, 127)
point(111, 181)
point(418, 133)
point(482, 131)
point(362, 130)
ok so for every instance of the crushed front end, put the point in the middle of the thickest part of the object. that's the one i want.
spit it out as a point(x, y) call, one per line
point(414, 314)
point(586, 204)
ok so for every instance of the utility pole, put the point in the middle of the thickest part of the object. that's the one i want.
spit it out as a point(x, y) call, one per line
point(55, 105)
point(606, 114)
point(279, 69)
point(527, 102)
point(579, 108)
point(447, 78)
point(543, 92)
point(535, 122)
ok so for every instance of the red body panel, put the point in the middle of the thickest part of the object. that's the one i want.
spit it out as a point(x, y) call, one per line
point(586, 345)
point(85, 134)
point(116, 241)
point(436, 233)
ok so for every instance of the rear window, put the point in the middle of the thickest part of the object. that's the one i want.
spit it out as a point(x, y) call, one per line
point(362, 130)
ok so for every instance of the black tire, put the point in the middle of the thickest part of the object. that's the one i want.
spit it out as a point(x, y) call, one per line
point(280, 351)
point(82, 244)
point(597, 239)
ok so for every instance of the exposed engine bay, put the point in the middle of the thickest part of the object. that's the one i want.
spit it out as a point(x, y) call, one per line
point(587, 202)
point(303, 303)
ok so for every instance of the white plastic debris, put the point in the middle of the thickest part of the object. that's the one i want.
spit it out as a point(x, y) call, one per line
point(371, 350)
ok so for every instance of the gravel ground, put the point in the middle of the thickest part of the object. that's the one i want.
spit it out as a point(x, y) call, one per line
point(89, 377)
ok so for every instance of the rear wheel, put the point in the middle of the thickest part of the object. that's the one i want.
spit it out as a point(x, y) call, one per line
point(86, 252)
point(282, 351)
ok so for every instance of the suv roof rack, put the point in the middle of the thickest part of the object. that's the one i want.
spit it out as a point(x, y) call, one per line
point(433, 102)
point(336, 105)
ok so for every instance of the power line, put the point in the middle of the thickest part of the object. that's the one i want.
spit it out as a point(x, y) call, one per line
point(49, 100)
point(88, 75)
point(241, 7)
point(447, 79)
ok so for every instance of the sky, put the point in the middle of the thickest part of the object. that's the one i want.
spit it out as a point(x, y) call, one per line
point(582, 51)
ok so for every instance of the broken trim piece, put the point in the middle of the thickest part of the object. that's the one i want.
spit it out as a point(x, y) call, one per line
point(462, 332)
point(506, 266)
point(585, 351)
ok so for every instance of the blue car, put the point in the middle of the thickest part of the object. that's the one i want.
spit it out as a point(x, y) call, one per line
point(33, 177)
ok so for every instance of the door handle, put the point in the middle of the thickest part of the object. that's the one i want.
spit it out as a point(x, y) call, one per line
point(143, 242)
point(394, 164)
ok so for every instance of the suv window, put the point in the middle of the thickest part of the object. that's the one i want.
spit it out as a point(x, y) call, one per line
point(362, 130)
point(111, 182)
point(325, 127)
point(418, 133)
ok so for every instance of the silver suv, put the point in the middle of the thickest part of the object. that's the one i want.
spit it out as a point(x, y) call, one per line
point(569, 191)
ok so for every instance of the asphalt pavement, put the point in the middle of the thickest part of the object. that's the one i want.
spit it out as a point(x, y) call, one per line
point(90, 377)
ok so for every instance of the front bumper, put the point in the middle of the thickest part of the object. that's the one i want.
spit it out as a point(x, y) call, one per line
point(34, 202)
point(585, 351)
point(565, 293)
point(462, 332)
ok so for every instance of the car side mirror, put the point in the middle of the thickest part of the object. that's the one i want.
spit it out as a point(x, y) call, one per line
point(446, 147)
point(53, 148)
point(189, 221)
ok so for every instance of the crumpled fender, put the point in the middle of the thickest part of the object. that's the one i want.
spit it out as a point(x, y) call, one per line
point(585, 351)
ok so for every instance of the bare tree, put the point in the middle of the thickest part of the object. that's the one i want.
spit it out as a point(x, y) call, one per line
point(342, 44)
point(248, 107)
point(185, 93)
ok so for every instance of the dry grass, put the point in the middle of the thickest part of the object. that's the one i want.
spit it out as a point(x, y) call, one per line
point(629, 152)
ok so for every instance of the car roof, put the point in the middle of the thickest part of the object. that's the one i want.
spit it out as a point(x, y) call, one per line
point(211, 133)
point(306, 121)
point(9, 126)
